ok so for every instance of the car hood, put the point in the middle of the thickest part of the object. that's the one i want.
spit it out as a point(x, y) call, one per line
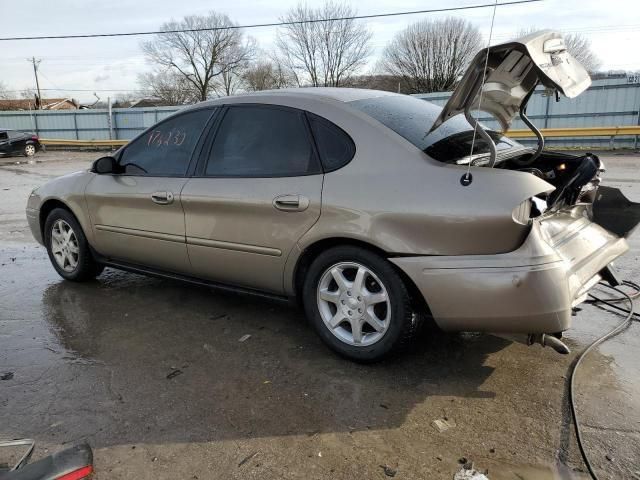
point(513, 71)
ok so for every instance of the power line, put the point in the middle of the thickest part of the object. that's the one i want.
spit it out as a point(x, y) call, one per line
point(273, 24)
point(81, 90)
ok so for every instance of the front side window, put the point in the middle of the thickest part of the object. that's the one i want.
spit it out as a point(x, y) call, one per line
point(262, 141)
point(166, 149)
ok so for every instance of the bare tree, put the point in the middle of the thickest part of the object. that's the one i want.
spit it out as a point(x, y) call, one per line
point(578, 46)
point(238, 61)
point(124, 100)
point(389, 83)
point(431, 55)
point(198, 56)
point(267, 75)
point(169, 86)
point(323, 53)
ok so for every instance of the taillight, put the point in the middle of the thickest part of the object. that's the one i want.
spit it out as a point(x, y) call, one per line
point(79, 474)
point(34, 137)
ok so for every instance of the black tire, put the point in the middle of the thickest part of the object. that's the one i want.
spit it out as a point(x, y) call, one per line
point(29, 150)
point(403, 322)
point(86, 268)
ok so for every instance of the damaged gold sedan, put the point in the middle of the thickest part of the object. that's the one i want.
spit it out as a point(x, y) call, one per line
point(376, 210)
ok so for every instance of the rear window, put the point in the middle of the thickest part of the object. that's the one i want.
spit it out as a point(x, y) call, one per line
point(411, 118)
point(334, 145)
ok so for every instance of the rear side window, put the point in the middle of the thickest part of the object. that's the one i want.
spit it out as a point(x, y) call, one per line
point(3, 135)
point(14, 134)
point(335, 147)
point(262, 141)
point(166, 149)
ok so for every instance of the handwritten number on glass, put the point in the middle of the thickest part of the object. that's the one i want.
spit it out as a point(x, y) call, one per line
point(174, 137)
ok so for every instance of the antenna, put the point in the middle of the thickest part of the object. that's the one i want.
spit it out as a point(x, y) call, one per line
point(467, 178)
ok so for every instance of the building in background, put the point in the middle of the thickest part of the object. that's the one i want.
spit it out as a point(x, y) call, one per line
point(45, 104)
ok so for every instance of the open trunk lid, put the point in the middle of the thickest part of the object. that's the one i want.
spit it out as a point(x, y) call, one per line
point(513, 71)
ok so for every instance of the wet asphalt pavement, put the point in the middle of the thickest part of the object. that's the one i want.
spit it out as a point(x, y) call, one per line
point(152, 374)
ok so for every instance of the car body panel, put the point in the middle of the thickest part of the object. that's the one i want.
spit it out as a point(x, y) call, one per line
point(128, 225)
point(234, 232)
point(67, 190)
point(529, 290)
point(513, 70)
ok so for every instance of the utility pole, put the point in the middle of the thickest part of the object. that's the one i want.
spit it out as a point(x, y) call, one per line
point(35, 72)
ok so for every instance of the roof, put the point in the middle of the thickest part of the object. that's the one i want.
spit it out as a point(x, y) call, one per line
point(334, 93)
point(29, 104)
point(150, 102)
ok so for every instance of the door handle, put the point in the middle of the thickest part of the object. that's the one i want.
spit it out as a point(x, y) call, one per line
point(162, 198)
point(291, 203)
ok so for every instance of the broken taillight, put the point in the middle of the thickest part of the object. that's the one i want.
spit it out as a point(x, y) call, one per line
point(79, 474)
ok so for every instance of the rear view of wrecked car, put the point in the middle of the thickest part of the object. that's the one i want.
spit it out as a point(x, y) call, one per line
point(553, 231)
point(376, 210)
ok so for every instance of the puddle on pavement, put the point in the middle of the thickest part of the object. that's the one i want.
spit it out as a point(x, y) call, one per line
point(117, 340)
point(507, 471)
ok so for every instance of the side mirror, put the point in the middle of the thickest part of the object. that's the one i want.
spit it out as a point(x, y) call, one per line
point(105, 165)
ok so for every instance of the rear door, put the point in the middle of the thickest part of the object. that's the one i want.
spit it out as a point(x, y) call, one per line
point(136, 214)
point(256, 192)
point(17, 141)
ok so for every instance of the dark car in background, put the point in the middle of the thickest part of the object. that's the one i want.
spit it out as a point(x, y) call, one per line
point(15, 142)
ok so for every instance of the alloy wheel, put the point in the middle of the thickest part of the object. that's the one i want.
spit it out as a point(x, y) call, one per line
point(64, 245)
point(354, 304)
point(30, 150)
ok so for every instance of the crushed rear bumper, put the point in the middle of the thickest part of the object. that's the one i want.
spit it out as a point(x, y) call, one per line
point(529, 290)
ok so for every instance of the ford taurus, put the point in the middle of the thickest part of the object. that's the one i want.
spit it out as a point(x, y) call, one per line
point(376, 210)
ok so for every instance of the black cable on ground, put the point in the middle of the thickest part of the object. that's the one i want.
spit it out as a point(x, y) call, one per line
point(622, 326)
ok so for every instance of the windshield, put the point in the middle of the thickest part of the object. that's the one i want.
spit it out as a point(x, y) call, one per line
point(412, 118)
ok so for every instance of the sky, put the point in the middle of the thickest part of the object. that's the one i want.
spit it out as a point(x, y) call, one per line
point(110, 66)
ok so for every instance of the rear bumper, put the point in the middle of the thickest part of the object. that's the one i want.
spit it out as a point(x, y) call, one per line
point(529, 290)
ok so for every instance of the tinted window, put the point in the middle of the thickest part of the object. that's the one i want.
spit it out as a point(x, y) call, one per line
point(335, 147)
point(258, 141)
point(166, 148)
point(13, 134)
point(3, 135)
point(412, 118)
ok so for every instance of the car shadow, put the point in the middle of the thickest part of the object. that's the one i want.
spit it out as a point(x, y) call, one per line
point(149, 360)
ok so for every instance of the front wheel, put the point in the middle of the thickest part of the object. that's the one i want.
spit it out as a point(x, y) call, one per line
point(358, 304)
point(68, 248)
point(29, 150)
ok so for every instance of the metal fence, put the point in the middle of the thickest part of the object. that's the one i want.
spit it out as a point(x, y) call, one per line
point(608, 102)
point(124, 123)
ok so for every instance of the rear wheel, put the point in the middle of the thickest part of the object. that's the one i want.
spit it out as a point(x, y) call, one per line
point(358, 304)
point(68, 248)
point(29, 150)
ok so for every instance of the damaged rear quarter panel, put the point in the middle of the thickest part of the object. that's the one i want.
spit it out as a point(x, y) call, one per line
point(412, 205)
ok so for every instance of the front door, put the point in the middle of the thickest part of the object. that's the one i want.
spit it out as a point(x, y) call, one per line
point(257, 191)
point(136, 214)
